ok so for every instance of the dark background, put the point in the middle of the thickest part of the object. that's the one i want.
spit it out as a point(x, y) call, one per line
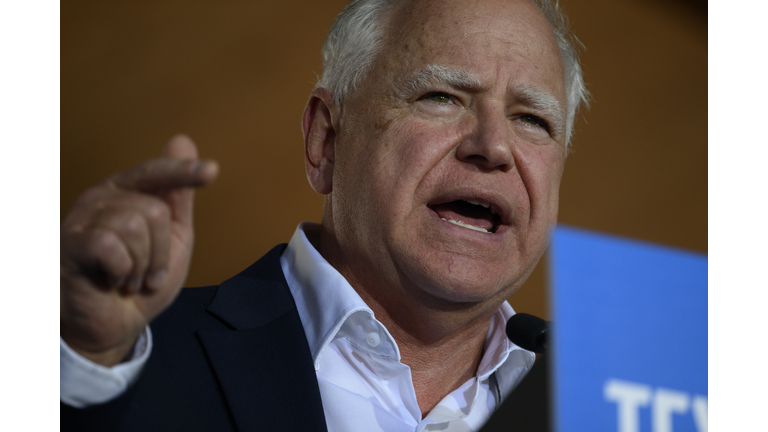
point(235, 76)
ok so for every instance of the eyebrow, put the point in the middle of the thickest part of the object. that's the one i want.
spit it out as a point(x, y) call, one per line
point(435, 75)
point(542, 102)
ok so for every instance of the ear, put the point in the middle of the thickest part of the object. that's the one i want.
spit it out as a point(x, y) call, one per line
point(319, 140)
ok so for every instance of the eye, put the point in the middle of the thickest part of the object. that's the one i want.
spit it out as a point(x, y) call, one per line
point(439, 97)
point(534, 121)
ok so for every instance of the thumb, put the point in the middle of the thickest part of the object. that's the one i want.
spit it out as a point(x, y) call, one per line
point(180, 147)
point(181, 200)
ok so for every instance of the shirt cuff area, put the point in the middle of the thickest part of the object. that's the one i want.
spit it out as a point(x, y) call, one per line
point(85, 383)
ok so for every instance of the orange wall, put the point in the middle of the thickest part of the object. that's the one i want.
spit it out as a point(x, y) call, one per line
point(235, 77)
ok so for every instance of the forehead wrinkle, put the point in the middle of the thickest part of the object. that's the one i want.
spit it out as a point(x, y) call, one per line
point(541, 101)
point(435, 75)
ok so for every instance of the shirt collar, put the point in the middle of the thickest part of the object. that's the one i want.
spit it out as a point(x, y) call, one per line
point(323, 297)
point(329, 307)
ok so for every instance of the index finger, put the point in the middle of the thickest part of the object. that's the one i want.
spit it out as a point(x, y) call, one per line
point(178, 168)
point(162, 174)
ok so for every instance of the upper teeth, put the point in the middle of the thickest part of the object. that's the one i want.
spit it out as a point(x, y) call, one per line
point(480, 203)
point(483, 204)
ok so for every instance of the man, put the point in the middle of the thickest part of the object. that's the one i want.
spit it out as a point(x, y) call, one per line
point(438, 135)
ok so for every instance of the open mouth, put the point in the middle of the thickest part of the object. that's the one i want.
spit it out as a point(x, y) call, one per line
point(472, 214)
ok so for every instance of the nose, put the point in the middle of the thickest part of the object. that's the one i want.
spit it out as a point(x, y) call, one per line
point(489, 145)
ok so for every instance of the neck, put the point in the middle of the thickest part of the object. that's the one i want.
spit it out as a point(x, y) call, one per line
point(441, 342)
point(441, 357)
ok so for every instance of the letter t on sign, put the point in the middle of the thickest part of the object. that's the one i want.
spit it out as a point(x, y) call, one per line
point(629, 397)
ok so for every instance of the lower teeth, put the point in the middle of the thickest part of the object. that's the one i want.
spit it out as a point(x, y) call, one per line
point(472, 227)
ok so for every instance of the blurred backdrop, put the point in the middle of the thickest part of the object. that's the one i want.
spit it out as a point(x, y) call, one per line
point(235, 75)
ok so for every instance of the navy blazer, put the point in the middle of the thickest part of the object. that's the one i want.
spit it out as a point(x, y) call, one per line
point(226, 358)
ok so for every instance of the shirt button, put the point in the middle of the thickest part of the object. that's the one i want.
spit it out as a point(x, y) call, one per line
point(373, 339)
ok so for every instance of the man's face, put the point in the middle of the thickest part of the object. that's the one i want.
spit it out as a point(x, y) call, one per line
point(461, 118)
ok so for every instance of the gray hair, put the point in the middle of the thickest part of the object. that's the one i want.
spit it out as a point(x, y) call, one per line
point(356, 38)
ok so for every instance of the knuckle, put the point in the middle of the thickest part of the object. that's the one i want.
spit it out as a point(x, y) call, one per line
point(93, 194)
point(158, 212)
point(94, 198)
point(102, 242)
point(134, 225)
point(93, 204)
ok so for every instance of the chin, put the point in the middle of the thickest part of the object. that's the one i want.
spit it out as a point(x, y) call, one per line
point(461, 280)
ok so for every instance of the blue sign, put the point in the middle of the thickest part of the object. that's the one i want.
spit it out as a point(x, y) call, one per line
point(629, 337)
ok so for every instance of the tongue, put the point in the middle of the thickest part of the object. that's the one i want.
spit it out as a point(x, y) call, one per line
point(465, 212)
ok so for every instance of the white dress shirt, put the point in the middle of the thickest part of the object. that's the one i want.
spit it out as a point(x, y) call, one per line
point(362, 383)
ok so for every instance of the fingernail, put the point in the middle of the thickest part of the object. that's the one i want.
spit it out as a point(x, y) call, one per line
point(136, 283)
point(156, 279)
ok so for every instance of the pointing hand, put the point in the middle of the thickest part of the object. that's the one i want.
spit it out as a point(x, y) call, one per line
point(126, 245)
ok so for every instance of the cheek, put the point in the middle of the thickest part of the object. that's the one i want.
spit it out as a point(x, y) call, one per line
point(541, 168)
point(409, 151)
point(556, 166)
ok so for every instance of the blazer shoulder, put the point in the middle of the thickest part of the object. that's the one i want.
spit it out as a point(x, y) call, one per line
point(255, 296)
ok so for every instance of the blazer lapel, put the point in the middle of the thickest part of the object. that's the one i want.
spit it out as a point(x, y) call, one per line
point(263, 363)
